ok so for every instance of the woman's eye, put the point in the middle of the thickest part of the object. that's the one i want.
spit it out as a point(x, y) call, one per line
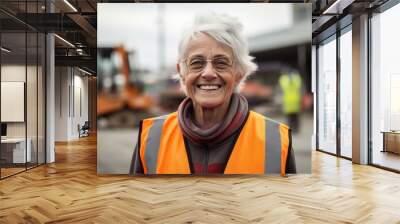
point(196, 64)
point(221, 63)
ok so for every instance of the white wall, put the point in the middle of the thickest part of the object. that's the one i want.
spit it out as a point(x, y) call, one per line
point(71, 93)
point(14, 73)
point(61, 103)
point(80, 100)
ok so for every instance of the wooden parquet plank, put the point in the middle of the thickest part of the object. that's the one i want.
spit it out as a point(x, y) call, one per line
point(70, 191)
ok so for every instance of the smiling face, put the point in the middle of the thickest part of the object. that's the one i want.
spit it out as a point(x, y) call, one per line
point(209, 83)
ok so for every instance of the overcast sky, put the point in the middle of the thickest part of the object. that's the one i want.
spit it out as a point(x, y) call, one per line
point(136, 25)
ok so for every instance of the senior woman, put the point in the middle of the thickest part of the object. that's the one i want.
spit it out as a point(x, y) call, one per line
point(213, 130)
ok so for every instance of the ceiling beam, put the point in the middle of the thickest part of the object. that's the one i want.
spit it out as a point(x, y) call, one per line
point(81, 61)
point(84, 24)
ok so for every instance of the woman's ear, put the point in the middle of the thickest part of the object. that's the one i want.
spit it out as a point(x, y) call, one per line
point(239, 77)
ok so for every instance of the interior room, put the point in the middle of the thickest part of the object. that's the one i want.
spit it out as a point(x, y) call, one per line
point(51, 81)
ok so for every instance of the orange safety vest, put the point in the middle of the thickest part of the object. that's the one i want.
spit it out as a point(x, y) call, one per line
point(261, 148)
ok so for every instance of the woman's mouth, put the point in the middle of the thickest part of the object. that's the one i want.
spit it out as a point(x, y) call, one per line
point(209, 87)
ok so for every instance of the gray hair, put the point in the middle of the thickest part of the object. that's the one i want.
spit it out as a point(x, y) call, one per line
point(226, 30)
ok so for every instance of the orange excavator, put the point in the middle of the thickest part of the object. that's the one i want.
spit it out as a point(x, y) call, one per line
point(128, 95)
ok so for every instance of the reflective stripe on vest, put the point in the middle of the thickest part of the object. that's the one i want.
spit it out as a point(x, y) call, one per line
point(262, 147)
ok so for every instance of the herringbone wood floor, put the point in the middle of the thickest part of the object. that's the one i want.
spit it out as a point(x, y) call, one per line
point(69, 191)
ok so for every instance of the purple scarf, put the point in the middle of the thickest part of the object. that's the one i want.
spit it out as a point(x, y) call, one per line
point(233, 119)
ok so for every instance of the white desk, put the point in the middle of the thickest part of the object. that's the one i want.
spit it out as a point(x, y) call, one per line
point(18, 145)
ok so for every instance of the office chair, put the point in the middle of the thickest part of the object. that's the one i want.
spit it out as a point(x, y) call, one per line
point(84, 130)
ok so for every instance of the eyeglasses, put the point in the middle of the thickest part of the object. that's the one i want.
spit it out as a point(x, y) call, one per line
point(198, 64)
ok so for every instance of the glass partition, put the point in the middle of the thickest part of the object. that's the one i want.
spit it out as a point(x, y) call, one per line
point(346, 93)
point(22, 77)
point(327, 95)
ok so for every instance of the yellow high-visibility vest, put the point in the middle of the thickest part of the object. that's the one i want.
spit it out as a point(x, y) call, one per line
point(291, 87)
point(261, 148)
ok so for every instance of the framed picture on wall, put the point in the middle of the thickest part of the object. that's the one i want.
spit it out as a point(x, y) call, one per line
point(12, 101)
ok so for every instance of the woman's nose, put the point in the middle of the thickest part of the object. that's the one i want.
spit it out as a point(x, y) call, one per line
point(209, 72)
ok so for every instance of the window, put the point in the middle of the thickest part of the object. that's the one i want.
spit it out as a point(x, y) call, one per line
point(346, 93)
point(327, 96)
point(385, 89)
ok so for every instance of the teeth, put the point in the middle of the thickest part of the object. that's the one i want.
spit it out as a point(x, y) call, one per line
point(209, 87)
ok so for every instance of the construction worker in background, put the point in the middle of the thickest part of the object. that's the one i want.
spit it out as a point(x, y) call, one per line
point(290, 84)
